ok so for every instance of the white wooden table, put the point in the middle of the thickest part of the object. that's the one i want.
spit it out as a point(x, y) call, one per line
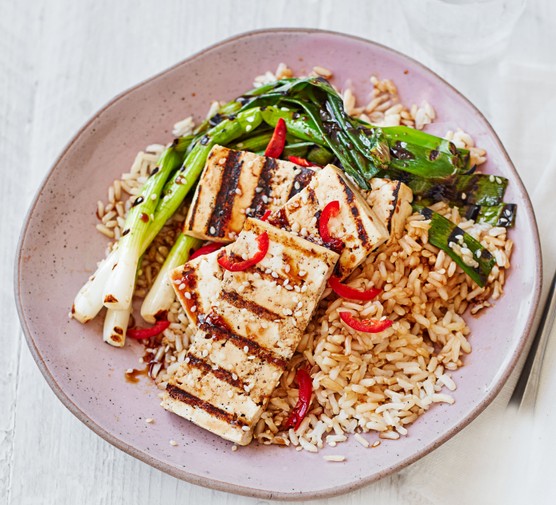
point(61, 60)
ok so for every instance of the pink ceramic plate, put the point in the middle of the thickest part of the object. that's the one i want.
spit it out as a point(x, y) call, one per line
point(88, 376)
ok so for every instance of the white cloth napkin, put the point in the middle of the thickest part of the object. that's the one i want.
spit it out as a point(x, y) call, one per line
point(505, 455)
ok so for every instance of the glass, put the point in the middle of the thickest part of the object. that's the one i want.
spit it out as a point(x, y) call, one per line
point(462, 31)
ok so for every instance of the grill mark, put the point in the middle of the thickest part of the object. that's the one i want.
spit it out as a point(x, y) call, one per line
point(255, 349)
point(258, 205)
point(302, 178)
point(185, 397)
point(241, 303)
point(361, 232)
point(220, 373)
point(394, 205)
point(193, 210)
point(224, 202)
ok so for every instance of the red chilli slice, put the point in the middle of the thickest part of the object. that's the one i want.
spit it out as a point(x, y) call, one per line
point(303, 402)
point(206, 249)
point(238, 266)
point(352, 293)
point(266, 215)
point(302, 162)
point(153, 331)
point(331, 210)
point(365, 325)
point(278, 141)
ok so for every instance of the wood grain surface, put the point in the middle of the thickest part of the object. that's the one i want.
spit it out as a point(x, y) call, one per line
point(60, 61)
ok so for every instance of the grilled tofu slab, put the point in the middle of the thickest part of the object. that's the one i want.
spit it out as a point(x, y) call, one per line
point(356, 225)
point(250, 331)
point(391, 202)
point(238, 184)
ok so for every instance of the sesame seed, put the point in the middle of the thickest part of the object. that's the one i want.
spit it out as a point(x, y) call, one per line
point(212, 230)
point(230, 393)
point(274, 274)
point(194, 308)
point(246, 348)
point(187, 294)
point(463, 196)
point(222, 161)
point(299, 305)
point(302, 273)
point(376, 444)
point(234, 448)
point(187, 360)
point(173, 443)
point(297, 185)
point(298, 313)
point(129, 370)
point(245, 428)
point(215, 367)
point(288, 312)
point(287, 268)
point(258, 189)
point(303, 288)
point(238, 191)
point(149, 420)
point(181, 287)
point(265, 199)
point(234, 376)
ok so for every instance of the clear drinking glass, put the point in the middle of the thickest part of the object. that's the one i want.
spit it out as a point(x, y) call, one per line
point(462, 31)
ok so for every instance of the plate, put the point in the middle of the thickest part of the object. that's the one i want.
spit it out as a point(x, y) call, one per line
point(58, 250)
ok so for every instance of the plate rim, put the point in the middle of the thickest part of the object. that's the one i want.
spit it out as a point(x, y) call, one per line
point(501, 379)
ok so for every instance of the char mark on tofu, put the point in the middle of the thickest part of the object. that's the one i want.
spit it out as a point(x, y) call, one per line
point(223, 375)
point(225, 199)
point(263, 191)
point(361, 232)
point(239, 302)
point(254, 349)
point(391, 202)
point(192, 400)
point(302, 178)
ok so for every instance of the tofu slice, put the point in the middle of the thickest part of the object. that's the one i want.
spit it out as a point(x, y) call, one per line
point(391, 202)
point(356, 224)
point(291, 262)
point(239, 184)
point(197, 284)
point(250, 332)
